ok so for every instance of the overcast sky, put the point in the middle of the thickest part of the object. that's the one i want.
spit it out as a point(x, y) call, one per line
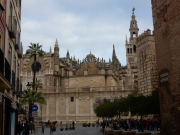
point(83, 25)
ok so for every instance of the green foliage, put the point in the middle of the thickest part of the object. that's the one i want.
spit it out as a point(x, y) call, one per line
point(105, 110)
point(31, 97)
point(137, 105)
point(38, 83)
point(35, 49)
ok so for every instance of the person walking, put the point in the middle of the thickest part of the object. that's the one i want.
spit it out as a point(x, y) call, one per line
point(51, 126)
point(27, 128)
point(18, 128)
point(103, 126)
point(43, 126)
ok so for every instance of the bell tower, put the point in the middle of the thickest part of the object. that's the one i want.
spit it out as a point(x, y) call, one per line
point(133, 28)
point(131, 44)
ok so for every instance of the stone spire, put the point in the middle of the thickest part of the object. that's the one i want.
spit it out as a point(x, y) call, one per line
point(114, 53)
point(74, 59)
point(50, 51)
point(67, 55)
point(56, 44)
point(126, 40)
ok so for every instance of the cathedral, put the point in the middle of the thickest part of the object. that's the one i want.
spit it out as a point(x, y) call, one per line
point(71, 86)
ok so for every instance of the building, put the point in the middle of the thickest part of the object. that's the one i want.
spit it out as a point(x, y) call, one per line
point(166, 19)
point(10, 58)
point(72, 86)
point(146, 60)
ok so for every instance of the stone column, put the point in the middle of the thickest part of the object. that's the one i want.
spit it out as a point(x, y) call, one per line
point(57, 108)
point(67, 106)
point(47, 110)
point(77, 107)
point(91, 107)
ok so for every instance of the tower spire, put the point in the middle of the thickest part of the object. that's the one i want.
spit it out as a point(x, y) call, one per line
point(67, 55)
point(114, 53)
point(56, 44)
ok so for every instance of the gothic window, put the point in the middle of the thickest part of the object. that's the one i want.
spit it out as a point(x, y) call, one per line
point(134, 34)
point(134, 49)
point(38, 67)
point(130, 50)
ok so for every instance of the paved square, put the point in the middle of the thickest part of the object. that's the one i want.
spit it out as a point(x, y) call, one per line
point(78, 131)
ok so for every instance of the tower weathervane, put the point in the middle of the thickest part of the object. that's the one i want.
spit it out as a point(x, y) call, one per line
point(133, 10)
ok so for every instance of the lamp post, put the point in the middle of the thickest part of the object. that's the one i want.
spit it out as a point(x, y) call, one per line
point(28, 86)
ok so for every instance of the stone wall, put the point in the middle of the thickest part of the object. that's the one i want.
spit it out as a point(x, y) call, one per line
point(166, 19)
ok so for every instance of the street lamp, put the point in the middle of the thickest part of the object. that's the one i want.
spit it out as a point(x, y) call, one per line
point(28, 86)
point(1, 10)
point(41, 112)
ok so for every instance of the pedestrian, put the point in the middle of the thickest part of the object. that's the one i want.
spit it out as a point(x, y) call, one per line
point(139, 126)
point(43, 126)
point(51, 126)
point(103, 126)
point(18, 128)
point(60, 123)
point(27, 128)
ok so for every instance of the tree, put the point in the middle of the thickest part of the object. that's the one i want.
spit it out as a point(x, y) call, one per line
point(131, 105)
point(121, 107)
point(33, 51)
point(100, 101)
point(30, 97)
point(38, 84)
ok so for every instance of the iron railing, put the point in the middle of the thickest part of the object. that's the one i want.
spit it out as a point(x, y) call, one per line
point(12, 27)
point(17, 88)
point(13, 79)
point(7, 70)
point(2, 62)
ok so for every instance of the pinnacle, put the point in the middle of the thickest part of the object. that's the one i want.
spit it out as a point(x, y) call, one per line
point(56, 44)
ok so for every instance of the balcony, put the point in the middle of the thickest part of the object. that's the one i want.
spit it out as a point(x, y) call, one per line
point(13, 80)
point(17, 88)
point(2, 62)
point(20, 51)
point(21, 90)
point(12, 27)
point(17, 43)
point(7, 70)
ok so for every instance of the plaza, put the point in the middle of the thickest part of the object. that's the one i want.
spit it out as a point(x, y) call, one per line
point(78, 131)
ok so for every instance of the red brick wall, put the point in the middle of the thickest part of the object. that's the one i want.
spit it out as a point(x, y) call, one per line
point(92, 69)
point(166, 19)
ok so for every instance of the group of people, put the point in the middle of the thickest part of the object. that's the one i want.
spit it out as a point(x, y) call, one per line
point(24, 128)
point(148, 124)
point(51, 127)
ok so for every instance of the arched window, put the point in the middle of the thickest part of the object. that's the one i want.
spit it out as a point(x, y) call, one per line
point(38, 67)
point(128, 50)
point(134, 49)
point(134, 34)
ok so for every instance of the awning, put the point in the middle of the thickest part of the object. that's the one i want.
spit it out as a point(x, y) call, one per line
point(4, 83)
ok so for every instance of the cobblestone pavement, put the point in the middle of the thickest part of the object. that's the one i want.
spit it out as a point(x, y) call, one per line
point(78, 131)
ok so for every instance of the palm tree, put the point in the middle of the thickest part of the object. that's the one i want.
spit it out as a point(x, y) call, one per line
point(30, 97)
point(33, 51)
point(38, 84)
